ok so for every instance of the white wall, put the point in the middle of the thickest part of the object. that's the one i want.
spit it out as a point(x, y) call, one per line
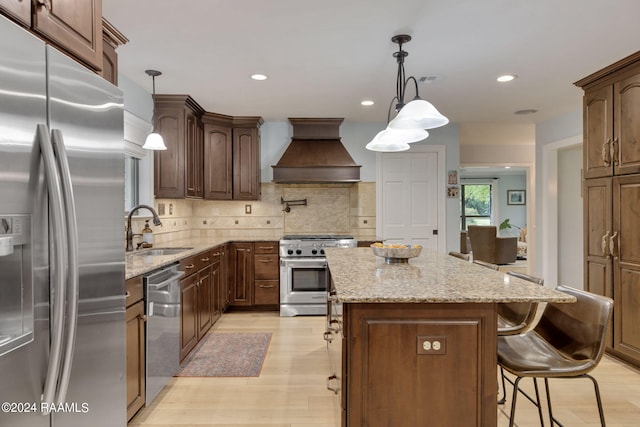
point(517, 214)
point(570, 231)
point(551, 133)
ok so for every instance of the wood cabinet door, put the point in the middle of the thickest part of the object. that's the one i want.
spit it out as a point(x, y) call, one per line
point(598, 229)
point(169, 164)
point(204, 302)
point(20, 10)
point(218, 162)
point(395, 379)
point(194, 156)
point(74, 26)
point(241, 273)
point(626, 145)
point(217, 304)
point(225, 294)
point(626, 266)
point(246, 164)
point(598, 132)
point(188, 314)
point(136, 343)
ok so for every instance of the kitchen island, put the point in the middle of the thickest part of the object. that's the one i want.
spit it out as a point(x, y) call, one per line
point(417, 341)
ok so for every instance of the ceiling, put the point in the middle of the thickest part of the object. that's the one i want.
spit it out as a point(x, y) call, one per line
point(322, 58)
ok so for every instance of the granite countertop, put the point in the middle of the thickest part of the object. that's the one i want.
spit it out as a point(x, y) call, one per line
point(136, 263)
point(361, 277)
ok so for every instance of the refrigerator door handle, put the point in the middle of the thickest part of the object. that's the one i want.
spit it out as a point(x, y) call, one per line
point(58, 265)
point(72, 260)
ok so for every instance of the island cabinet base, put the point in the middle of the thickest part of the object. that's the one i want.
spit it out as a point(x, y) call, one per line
point(411, 365)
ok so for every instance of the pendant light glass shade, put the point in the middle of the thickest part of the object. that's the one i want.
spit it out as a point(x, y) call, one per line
point(418, 114)
point(154, 141)
point(387, 148)
point(390, 140)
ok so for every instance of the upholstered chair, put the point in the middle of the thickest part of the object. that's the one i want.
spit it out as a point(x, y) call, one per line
point(488, 247)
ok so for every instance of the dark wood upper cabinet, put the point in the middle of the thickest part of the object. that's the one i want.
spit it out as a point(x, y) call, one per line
point(111, 40)
point(611, 123)
point(209, 155)
point(231, 157)
point(18, 10)
point(218, 156)
point(246, 158)
point(177, 168)
point(73, 26)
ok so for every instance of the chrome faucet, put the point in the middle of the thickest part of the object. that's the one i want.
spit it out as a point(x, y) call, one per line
point(156, 221)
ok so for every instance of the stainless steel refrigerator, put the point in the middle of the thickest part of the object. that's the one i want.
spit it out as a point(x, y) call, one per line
point(62, 314)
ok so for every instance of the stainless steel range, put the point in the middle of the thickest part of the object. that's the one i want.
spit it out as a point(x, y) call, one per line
point(304, 277)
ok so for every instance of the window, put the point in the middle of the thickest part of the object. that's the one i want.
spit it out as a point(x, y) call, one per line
point(131, 182)
point(138, 163)
point(476, 205)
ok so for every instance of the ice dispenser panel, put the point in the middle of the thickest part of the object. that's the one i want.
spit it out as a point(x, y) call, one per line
point(16, 283)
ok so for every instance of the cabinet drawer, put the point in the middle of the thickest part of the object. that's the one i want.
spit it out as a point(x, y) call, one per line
point(267, 292)
point(266, 247)
point(266, 267)
point(134, 291)
point(195, 263)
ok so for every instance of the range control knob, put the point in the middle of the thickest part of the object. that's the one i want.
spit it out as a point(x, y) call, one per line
point(290, 251)
point(314, 251)
point(298, 251)
point(321, 251)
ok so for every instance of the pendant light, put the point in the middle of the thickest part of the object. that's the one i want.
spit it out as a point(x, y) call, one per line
point(413, 118)
point(154, 140)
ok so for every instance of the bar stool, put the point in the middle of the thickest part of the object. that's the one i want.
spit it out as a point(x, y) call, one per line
point(465, 257)
point(516, 317)
point(567, 342)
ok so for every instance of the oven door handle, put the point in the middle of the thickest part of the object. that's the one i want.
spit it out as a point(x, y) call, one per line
point(303, 262)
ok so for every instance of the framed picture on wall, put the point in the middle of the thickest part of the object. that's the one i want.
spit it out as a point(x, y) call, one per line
point(516, 197)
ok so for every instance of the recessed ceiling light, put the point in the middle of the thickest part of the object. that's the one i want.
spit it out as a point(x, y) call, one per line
point(525, 112)
point(506, 78)
point(367, 102)
point(507, 167)
point(259, 77)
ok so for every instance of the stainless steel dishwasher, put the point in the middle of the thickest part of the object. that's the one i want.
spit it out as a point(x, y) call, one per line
point(162, 288)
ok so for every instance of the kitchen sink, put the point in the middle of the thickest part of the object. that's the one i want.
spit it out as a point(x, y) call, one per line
point(160, 251)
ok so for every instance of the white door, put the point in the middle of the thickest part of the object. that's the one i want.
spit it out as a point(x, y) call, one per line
point(409, 198)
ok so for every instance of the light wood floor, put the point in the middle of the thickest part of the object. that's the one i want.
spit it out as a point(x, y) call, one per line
point(291, 390)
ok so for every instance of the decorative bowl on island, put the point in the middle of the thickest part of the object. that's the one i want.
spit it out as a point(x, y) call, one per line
point(396, 253)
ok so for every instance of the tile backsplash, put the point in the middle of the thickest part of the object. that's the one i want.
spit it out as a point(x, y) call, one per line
point(330, 209)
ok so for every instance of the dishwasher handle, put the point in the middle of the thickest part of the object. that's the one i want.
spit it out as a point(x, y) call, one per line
point(157, 286)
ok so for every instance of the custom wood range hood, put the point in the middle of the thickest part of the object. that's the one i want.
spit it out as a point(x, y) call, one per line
point(316, 154)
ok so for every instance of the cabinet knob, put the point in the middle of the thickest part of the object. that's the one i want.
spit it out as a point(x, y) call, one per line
point(127, 294)
point(144, 317)
point(205, 259)
point(189, 266)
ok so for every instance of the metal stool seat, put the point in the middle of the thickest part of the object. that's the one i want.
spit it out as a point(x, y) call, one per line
point(567, 342)
point(515, 318)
